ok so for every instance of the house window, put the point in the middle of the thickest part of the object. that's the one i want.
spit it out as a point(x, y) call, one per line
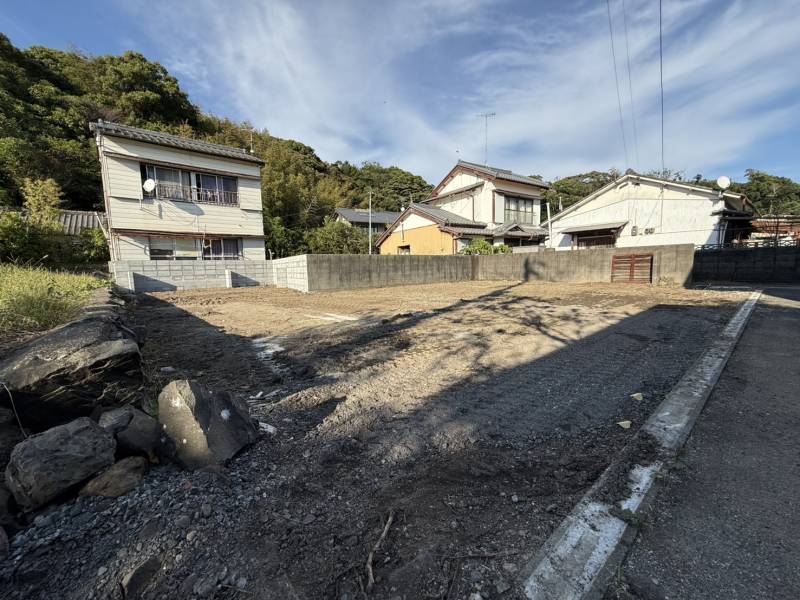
point(404, 249)
point(222, 249)
point(519, 210)
point(173, 249)
point(191, 186)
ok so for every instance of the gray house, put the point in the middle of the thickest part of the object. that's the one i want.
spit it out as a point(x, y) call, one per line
point(359, 217)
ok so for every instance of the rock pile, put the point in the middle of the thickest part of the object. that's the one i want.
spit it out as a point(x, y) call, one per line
point(75, 389)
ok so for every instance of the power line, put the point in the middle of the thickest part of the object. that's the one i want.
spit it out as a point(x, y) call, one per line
point(616, 79)
point(661, 75)
point(630, 86)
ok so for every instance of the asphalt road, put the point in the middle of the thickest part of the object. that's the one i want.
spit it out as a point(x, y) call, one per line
point(726, 524)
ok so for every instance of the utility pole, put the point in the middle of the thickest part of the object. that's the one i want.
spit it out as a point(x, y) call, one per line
point(549, 227)
point(486, 116)
point(370, 222)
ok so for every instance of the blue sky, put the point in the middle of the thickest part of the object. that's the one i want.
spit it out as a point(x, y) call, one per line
point(403, 82)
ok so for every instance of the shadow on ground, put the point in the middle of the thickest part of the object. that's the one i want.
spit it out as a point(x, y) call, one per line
point(476, 474)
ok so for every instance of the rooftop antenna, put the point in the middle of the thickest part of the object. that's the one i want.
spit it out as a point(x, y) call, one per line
point(486, 116)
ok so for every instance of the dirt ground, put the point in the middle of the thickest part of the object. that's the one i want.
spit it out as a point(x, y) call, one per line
point(474, 415)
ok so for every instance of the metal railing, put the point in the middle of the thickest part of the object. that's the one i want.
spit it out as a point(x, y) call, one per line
point(751, 243)
point(188, 193)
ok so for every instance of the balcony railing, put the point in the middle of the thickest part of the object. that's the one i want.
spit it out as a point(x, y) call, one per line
point(187, 193)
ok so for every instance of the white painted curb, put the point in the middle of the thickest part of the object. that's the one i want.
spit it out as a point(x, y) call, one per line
point(579, 557)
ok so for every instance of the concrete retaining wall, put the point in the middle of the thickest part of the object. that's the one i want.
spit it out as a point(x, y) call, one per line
point(671, 265)
point(346, 272)
point(327, 272)
point(781, 264)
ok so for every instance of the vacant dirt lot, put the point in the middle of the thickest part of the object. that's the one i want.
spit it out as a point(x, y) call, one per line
point(474, 414)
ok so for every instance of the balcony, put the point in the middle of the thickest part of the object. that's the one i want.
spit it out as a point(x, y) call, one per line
point(187, 193)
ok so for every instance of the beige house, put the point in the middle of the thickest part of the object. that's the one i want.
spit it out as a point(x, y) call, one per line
point(472, 202)
point(174, 198)
point(636, 210)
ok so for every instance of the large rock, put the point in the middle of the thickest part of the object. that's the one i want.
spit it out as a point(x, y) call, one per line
point(207, 427)
point(69, 371)
point(119, 479)
point(136, 432)
point(48, 464)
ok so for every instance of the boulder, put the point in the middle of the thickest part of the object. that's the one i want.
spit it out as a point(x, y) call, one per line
point(71, 370)
point(136, 432)
point(49, 464)
point(118, 479)
point(207, 427)
point(10, 434)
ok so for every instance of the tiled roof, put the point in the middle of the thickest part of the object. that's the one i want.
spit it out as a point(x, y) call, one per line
point(503, 174)
point(361, 215)
point(461, 190)
point(173, 141)
point(445, 217)
point(74, 221)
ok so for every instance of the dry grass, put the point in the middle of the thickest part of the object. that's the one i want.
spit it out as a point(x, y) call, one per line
point(35, 299)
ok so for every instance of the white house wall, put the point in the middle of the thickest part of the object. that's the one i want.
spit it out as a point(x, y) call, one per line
point(128, 209)
point(676, 216)
point(143, 151)
point(415, 221)
point(487, 203)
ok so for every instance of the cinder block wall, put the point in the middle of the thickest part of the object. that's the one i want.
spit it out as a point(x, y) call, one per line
point(781, 264)
point(166, 275)
point(328, 272)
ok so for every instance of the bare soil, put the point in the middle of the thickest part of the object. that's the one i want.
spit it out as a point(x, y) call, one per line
point(476, 414)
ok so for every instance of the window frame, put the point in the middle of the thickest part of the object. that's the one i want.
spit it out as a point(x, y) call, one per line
point(523, 213)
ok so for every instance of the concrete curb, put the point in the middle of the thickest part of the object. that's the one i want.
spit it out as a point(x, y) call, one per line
point(582, 554)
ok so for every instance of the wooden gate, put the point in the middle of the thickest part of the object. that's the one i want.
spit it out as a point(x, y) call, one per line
point(632, 268)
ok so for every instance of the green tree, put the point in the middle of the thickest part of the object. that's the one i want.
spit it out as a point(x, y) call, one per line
point(336, 237)
point(42, 200)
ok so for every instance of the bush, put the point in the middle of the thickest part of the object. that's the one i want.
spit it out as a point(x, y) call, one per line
point(35, 299)
point(92, 247)
point(336, 237)
point(483, 247)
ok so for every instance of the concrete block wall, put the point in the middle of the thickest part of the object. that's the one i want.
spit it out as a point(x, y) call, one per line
point(345, 272)
point(781, 264)
point(671, 265)
point(166, 275)
point(329, 272)
point(291, 272)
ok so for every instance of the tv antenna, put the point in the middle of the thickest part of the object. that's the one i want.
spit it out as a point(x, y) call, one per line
point(486, 116)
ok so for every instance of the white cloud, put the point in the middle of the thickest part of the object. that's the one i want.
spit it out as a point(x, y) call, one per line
point(402, 83)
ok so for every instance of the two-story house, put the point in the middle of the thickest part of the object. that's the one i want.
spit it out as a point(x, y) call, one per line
point(472, 202)
point(173, 198)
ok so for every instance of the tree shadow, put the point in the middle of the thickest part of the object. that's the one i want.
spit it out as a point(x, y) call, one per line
point(478, 471)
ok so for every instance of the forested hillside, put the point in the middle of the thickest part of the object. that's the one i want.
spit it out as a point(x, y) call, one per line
point(48, 97)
